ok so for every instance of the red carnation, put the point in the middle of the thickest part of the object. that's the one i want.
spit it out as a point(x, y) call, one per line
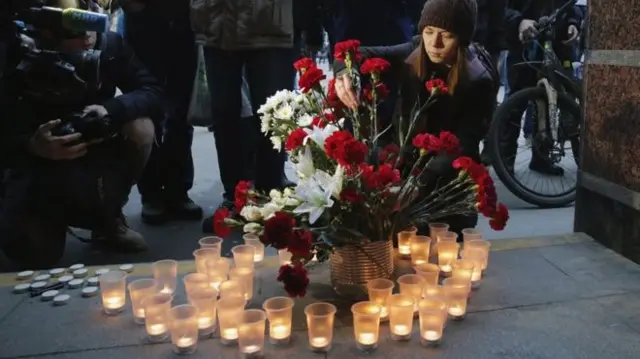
point(351, 152)
point(301, 243)
point(335, 141)
point(462, 163)
point(278, 230)
point(219, 227)
point(342, 48)
point(436, 86)
point(333, 100)
point(241, 194)
point(500, 218)
point(311, 78)
point(427, 142)
point(382, 91)
point(450, 143)
point(295, 139)
point(351, 195)
point(295, 279)
point(303, 64)
point(374, 66)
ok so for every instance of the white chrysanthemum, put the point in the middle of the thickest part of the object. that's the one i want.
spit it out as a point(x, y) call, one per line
point(305, 120)
point(251, 213)
point(289, 192)
point(265, 123)
point(254, 228)
point(277, 143)
point(274, 193)
point(284, 112)
point(270, 209)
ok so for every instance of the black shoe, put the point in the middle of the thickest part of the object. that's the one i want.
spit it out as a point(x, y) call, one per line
point(184, 208)
point(119, 238)
point(154, 212)
point(546, 168)
point(207, 223)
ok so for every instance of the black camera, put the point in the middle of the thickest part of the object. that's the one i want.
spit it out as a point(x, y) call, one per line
point(48, 77)
point(90, 125)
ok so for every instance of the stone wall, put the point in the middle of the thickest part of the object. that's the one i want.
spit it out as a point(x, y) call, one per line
point(608, 197)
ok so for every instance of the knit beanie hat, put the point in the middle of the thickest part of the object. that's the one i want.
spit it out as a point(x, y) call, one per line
point(455, 16)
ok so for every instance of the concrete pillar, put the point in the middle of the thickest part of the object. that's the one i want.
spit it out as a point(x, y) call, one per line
point(608, 196)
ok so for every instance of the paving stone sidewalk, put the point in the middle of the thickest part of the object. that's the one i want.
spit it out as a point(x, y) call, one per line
point(555, 297)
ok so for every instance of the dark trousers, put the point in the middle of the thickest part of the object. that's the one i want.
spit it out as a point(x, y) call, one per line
point(267, 71)
point(170, 53)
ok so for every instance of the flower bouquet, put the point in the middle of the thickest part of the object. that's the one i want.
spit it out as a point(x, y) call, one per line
point(354, 190)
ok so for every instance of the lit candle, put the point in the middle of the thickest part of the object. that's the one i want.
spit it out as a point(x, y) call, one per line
point(404, 249)
point(140, 313)
point(367, 338)
point(184, 328)
point(379, 291)
point(404, 241)
point(412, 285)
point(138, 291)
point(251, 333)
point(114, 303)
point(251, 349)
point(166, 290)
point(431, 335)
point(185, 342)
point(254, 240)
point(230, 333)
point(401, 329)
point(157, 329)
point(420, 249)
point(447, 253)
point(433, 315)
point(279, 332)
point(319, 342)
point(165, 273)
point(457, 292)
point(205, 322)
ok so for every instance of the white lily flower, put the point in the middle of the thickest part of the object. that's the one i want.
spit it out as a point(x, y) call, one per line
point(254, 228)
point(305, 167)
point(313, 198)
point(331, 183)
point(320, 135)
point(291, 202)
point(251, 213)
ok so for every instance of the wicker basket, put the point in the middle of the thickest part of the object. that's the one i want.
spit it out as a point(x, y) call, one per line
point(353, 266)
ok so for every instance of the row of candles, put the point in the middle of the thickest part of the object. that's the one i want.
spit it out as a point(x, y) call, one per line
point(216, 290)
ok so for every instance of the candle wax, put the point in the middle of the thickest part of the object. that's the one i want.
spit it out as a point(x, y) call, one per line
point(401, 329)
point(113, 303)
point(431, 335)
point(166, 290)
point(250, 349)
point(231, 333)
point(384, 312)
point(258, 258)
point(366, 338)
point(319, 342)
point(279, 332)
point(185, 342)
point(157, 329)
point(205, 322)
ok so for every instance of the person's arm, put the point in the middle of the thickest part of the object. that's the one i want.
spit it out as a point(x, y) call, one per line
point(514, 14)
point(141, 96)
point(395, 54)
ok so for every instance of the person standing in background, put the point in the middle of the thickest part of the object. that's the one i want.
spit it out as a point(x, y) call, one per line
point(161, 36)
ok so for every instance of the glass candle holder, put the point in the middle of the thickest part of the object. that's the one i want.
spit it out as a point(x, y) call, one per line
point(113, 287)
point(243, 256)
point(184, 328)
point(320, 318)
point(205, 300)
point(462, 269)
point(251, 334)
point(457, 293)
point(420, 249)
point(253, 240)
point(280, 313)
point(366, 325)
point(156, 310)
point(214, 242)
point(411, 285)
point(195, 281)
point(433, 315)
point(379, 292)
point(437, 228)
point(203, 255)
point(165, 273)
point(432, 290)
point(447, 236)
point(484, 247)
point(231, 288)
point(245, 276)
point(477, 257)
point(401, 316)
point(139, 290)
point(429, 271)
point(447, 253)
point(470, 234)
point(404, 241)
point(230, 311)
point(217, 271)
point(284, 257)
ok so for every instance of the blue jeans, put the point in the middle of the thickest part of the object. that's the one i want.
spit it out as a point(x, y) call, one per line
point(267, 71)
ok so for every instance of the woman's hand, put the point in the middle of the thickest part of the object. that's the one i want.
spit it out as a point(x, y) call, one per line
point(345, 91)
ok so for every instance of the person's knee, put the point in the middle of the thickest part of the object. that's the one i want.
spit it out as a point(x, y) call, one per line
point(141, 132)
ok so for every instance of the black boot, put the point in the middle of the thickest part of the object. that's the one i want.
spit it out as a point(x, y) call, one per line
point(154, 211)
point(183, 208)
point(546, 168)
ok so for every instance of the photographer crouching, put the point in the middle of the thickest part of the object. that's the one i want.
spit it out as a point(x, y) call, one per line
point(70, 150)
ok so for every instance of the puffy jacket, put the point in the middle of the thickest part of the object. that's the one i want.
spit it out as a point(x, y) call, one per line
point(243, 24)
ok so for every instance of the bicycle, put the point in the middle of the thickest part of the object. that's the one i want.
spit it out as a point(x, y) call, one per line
point(557, 113)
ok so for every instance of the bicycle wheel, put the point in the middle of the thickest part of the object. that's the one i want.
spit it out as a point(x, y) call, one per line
point(571, 115)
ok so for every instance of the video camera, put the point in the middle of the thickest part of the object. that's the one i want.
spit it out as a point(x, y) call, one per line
point(46, 77)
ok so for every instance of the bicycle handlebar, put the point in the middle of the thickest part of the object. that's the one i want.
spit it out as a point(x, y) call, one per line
point(546, 22)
